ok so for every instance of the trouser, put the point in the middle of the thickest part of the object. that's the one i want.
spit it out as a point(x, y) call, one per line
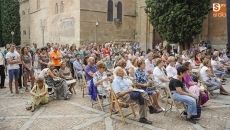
point(213, 84)
point(71, 68)
point(42, 100)
point(3, 76)
point(142, 108)
point(20, 76)
point(191, 102)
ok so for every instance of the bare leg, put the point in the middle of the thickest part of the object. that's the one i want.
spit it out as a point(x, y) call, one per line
point(10, 85)
point(223, 90)
point(155, 100)
point(25, 79)
point(32, 81)
point(16, 84)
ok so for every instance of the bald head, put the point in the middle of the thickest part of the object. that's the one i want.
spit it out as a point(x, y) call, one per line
point(118, 71)
point(91, 60)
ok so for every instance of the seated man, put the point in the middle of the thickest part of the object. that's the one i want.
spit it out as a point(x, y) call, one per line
point(125, 92)
point(77, 65)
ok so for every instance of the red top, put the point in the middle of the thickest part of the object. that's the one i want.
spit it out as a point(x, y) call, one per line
point(106, 51)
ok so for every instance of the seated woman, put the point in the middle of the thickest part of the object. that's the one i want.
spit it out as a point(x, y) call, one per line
point(65, 73)
point(171, 69)
point(198, 59)
point(159, 74)
point(193, 62)
point(101, 81)
point(194, 87)
point(181, 93)
point(141, 82)
point(217, 68)
point(133, 68)
point(53, 80)
point(39, 94)
point(109, 64)
point(209, 78)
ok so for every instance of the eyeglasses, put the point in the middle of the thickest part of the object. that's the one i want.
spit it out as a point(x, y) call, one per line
point(103, 67)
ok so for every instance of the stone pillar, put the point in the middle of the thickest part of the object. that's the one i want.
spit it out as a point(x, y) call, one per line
point(228, 24)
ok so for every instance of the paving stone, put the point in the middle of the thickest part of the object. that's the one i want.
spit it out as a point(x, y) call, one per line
point(63, 108)
point(56, 124)
point(12, 124)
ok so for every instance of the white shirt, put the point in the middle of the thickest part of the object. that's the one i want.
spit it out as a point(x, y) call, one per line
point(204, 74)
point(158, 73)
point(225, 57)
point(43, 73)
point(12, 56)
point(192, 62)
point(128, 64)
point(171, 71)
point(214, 63)
point(149, 66)
point(130, 56)
point(2, 60)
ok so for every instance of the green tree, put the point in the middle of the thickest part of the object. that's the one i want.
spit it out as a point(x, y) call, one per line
point(10, 21)
point(177, 21)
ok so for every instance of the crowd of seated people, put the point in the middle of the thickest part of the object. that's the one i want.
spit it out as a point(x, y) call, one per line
point(131, 68)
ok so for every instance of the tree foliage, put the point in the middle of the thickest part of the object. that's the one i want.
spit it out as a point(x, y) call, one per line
point(9, 21)
point(177, 20)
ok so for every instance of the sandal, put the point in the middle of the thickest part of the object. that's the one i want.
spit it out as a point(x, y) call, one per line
point(28, 108)
point(32, 109)
point(27, 90)
point(223, 93)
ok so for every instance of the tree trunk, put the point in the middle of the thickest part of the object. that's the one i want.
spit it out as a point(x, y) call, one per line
point(183, 46)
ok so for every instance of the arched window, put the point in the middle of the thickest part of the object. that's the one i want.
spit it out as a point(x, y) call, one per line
point(38, 4)
point(119, 11)
point(56, 8)
point(62, 7)
point(110, 11)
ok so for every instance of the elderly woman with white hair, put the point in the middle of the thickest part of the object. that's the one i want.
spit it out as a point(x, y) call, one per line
point(171, 69)
point(53, 80)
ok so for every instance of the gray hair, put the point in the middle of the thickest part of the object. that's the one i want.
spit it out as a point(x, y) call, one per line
point(116, 70)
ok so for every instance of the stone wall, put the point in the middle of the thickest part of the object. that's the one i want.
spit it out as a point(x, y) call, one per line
point(94, 11)
point(144, 30)
point(215, 28)
point(25, 22)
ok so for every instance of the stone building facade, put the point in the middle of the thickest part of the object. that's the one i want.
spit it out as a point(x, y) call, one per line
point(84, 21)
point(88, 21)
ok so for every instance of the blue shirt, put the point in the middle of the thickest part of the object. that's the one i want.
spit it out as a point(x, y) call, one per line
point(120, 84)
point(88, 69)
point(77, 65)
point(140, 77)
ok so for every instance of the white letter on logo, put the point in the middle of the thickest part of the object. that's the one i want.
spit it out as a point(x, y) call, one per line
point(216, 7)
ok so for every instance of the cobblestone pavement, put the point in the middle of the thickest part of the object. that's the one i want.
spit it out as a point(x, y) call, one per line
point(77, 113)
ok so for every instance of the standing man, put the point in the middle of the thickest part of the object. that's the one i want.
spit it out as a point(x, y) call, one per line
point(13, 59)
point(56, 57)
point(2, 69)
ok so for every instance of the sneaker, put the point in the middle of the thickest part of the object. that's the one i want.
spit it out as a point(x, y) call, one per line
point(144, 120)
point(11, 94)
point(191, 120)
point(154, 110)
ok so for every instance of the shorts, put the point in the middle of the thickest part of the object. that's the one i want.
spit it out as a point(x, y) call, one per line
point(14, 74)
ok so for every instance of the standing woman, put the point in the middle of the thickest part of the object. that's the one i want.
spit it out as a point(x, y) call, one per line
point(18, 49)
point(36, 62)
point(44, 58)
point(28, 70)
point(71, 54)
